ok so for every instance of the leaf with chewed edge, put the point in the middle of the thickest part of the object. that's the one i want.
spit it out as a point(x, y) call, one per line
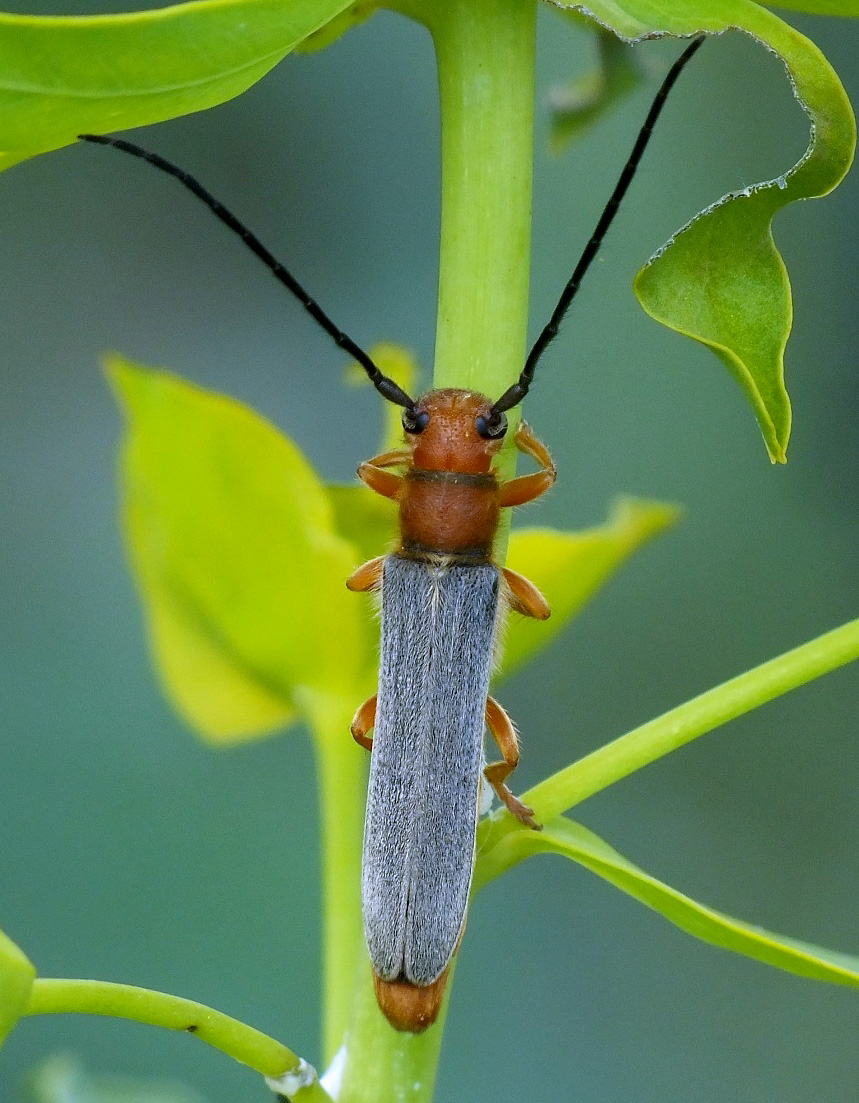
point(720, 279)
point(572, 840)
point(241, 570)
point(61, 76)
point(16, 979)
point(569, 567)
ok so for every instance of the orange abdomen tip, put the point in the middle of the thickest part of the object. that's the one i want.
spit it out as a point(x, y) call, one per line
point(408, 1007)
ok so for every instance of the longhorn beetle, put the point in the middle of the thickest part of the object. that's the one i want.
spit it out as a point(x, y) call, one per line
point(442, 595)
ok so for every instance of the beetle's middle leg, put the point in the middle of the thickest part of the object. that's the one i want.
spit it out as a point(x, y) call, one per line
point(367, 577)
point(524, 597)
point(364, 721)
point(504, 734)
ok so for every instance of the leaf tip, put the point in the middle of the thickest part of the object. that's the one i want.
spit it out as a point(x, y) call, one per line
point(17, 974)
point(121, 374)
point(642, 518)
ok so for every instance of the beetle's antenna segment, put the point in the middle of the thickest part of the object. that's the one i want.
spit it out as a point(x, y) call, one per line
point(385, 386)
point(514, 395)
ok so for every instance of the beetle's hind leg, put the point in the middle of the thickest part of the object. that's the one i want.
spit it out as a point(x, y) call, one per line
point(504, 734)
point(364, 721)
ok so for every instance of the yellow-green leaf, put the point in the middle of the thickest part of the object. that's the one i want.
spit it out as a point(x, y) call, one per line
point(569, 567)
point(16, 979)
point(61, 76)
point(367, 520)
point(232, 540)
point(572, 840)
point(399, 364)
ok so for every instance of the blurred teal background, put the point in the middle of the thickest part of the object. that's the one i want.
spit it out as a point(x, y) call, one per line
point(131, 852)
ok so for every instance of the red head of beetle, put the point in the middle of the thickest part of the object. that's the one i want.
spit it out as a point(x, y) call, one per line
point(450, 440)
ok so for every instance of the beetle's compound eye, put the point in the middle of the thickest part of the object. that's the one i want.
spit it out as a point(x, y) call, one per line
point(415, 421)
point(493, 426)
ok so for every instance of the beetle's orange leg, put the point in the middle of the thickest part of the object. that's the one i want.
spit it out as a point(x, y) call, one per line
point(383, 482)
point(504, 734)
point(365, 719)
point(524, 597)
point(391, 459)
point(367, 577)
point(529, 444)
point(526, 488)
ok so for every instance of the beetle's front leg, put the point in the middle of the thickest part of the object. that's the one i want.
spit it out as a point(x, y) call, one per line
point(384, 482)
point(526, 488)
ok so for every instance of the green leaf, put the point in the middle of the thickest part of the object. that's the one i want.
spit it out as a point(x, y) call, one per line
point(63, 1079)
point(577, 106)
point(571, 840)
point(569, 567)
point(353, 16)
point(61, 76)
point(232, 540)
point(720, 279)
point(16, 980)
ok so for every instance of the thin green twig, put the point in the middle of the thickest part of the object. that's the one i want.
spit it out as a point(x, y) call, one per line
point(641, 746)
point(709, 710)
point(124, 1001)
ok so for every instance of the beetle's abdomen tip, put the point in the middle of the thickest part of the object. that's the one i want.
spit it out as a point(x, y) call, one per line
point(408, 1007)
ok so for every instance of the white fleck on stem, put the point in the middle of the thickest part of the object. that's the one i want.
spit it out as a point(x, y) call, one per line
point(332, 1078)
point(290, 1083)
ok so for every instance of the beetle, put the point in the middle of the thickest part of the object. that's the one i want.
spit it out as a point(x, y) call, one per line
point(442, 599)
point(442, 595)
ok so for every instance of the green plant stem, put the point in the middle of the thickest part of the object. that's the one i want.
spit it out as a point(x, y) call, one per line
point(485, 51)
point(673, 729)
point(486, 56)
point(341, 776)
point(123, 1001)
point(383, 1065)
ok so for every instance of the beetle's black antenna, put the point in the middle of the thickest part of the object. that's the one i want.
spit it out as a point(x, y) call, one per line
point(514, 395)
point(385, 386)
